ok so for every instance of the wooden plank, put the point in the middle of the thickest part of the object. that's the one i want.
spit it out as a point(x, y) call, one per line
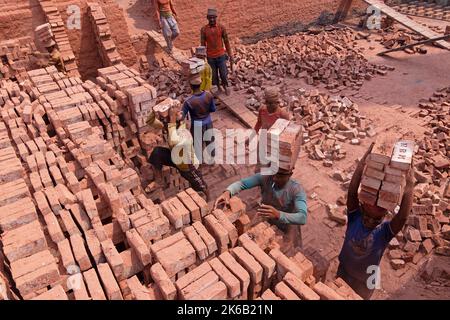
point(409, 23)
point(239, 110)
point(413, 44)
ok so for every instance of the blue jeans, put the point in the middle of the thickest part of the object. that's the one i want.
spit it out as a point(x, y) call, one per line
point(219, 65)
point(170, 30)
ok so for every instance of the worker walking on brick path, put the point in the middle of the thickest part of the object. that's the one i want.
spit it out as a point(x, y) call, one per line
point(206, 73)
point(51, 58)
point(283, 201)
point(367, 236)
point(214, 37)
point(186, 164)
point(199, 107)
point(167, 15)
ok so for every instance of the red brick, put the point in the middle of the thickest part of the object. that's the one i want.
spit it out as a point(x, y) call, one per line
point(197, 242)
point(232, 283)
point(219, 233)
point(207, 238)
point(238, 271)
point(161, 278)
point(300, 288)
point(80, 253)
point(137, 243)
point(93, 285)
point(284, 292)
point(109, 282)
point(325, 292)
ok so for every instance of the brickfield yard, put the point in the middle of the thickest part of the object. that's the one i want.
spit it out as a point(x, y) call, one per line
point(77, 221)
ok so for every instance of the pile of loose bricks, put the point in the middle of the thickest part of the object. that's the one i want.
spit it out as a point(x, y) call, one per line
point(76, 224)
point(59, 32)
point(329, 58)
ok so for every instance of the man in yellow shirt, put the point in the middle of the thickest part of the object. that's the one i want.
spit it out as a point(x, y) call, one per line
point(180, 141)
point(51, 58)
point(206, 73)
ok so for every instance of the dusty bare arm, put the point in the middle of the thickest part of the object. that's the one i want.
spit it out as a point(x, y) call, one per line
point(352, 195)
point(156, 7)
point(172, 7)
point(400, 218)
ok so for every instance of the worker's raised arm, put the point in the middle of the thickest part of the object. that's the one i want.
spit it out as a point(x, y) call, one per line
point(299, 216)
point(400, 218)
point(352, 195)
point(238, 186)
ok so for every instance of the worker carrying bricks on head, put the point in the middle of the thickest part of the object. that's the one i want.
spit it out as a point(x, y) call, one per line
point(51, 58)
point(269, 113)
point(206, 73)
point(167, 15)
point(214, 36)
point(178, 137)
point(367, 235)
point(199, 107)
point(283, 201)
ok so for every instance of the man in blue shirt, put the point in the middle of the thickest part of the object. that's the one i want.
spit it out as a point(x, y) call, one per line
point(283, 201)
point(199, 106)
point(367, 236)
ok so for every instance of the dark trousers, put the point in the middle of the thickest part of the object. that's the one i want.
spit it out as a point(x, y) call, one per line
point(359, 286)
point(161, 156)
point(219, 66)
point(198, 141)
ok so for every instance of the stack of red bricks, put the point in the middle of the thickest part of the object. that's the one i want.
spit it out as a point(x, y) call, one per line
point(108, 51)
point(131, 92)
point(62, 40)
point(44, 34)
point(17, 53)
point(288, 136)
point(383, 180)
point(329, 57)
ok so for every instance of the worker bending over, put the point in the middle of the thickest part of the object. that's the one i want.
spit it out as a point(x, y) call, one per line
point(283, 201)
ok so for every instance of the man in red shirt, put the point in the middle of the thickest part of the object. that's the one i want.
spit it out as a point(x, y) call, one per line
point(215, 38)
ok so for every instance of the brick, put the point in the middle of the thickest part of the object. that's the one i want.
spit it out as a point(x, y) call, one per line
point(93, 285)
point(17, 214)
point(219, 233)
point(217, 291)
point(428, 245)
point(238, 271)
point(67, 258)
point(138, 291)
point(177, 257)
point(131, 264)
point(80, 253)
point(249, 263)
point(53, 228)
point(232, 283)
point(23, 241)
point(207, 238)
point(397, 264)
point(264, 260)
point(137, 243)
point(190, 204)
point(229, 227)
point(285, 265)
point(29, 264)
point(56, 293)
point(199, 201)
point(284, 292)
point(68, 224)
point(199, 285)
point(110, 285)
point(38, 279)
point(300, 288)
point(325, 292)
point(197, 242)
point(163, 282)
point(269, 295)
point(94, 247)
point(113, 257)
point(193, 275)
point(80, 291)
point(413, 235)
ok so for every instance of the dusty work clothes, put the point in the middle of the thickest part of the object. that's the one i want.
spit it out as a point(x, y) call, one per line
point(290, 201)
point(266, 119)
point(219, 68)
point(170, 30)
point(363, 247)
point(206, 76)
point(199, 106)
